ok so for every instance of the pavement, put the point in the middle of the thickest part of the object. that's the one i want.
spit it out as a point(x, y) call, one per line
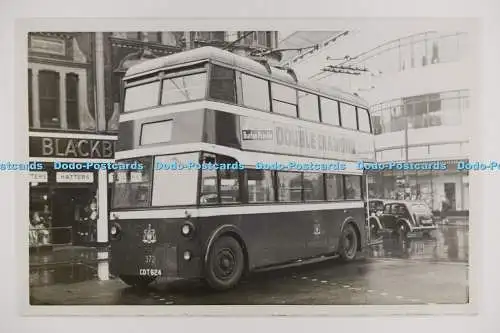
point(421, 270)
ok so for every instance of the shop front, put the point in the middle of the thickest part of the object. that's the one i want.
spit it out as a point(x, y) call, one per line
point(444, 191)
point(64, 203)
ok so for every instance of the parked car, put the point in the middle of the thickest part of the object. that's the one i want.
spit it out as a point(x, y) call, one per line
point(403, 217)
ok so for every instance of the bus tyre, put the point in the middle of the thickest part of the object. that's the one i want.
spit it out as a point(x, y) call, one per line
point(225, 264)
point(137, 281)
point(349, 241)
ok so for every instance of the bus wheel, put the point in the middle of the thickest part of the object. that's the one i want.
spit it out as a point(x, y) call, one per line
point(348, 243)
point(137, 281)
point(225, 264)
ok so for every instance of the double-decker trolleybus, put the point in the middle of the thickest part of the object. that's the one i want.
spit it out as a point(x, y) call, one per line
point(231, 165)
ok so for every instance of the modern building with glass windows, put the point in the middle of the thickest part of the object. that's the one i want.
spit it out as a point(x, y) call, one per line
point(418, 86)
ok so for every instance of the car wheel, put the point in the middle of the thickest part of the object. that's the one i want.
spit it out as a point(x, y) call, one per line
point(403, 230)
point(225, 264)
point(348, 247)
point(137, 281)
point(374, 229)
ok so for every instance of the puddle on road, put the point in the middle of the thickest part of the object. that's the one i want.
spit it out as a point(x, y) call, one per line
point(64, 274)
point(445, 244)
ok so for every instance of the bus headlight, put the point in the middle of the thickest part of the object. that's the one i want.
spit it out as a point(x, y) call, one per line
point(187, 255)
point(187, 229)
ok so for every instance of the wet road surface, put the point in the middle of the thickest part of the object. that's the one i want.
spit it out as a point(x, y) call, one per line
point(420, 270)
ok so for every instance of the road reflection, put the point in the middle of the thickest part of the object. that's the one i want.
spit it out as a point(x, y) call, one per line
point(448, 243)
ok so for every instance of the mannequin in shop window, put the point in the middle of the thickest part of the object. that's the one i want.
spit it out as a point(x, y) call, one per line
point(38, 233)
point(93, 220)
point(88, 224)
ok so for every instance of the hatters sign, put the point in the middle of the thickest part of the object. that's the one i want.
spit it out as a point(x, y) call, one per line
point(71, 147)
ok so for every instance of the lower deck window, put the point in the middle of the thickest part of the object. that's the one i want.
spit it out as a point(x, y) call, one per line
point(260, 186)
point(334, 187)
point(314, 189)
point(132, 188)
point(353, 187)
point(175, 187)
point(289, 186)
point(219, 182)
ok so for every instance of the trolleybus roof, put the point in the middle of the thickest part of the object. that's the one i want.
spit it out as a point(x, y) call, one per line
point(234, 60)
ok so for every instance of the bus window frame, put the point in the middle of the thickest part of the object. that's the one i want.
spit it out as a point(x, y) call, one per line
point(317, 105)
point(204, 68)
point(241, 193)
point(141, 83)
point(369, 119)
point(160, 76)
point(237, 89)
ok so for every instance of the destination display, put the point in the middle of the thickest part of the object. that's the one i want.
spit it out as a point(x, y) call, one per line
point(277, 137)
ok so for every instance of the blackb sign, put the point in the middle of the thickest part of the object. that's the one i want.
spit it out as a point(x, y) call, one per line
point(72, 148)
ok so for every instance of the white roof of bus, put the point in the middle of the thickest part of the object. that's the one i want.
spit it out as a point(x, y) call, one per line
point(234, 60)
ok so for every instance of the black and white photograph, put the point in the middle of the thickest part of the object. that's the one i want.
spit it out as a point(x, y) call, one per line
point(267, 167)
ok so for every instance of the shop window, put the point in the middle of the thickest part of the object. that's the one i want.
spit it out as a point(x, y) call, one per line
point(260, 186)
point(329, 111)
point(308, 106)
point(255, 92)
point(153, 37)
point(49, 99)
point(72, 101)
point(223, 84)
point(134, 35)
point(208, 36)
point(289, 186)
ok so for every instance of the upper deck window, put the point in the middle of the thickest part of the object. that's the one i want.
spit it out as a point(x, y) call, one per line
point(348, 116)
point(329, 111)
point(308, 106)
point(141, 96)
point(364, 120)
point(255, 92)
point(284, 100)
point(184, 88)
point(223, 84)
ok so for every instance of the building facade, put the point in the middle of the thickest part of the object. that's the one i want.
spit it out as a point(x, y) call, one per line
point(418, 85)
point(66, 125)
point(75, 93)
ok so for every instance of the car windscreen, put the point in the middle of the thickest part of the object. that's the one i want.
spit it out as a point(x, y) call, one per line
point(421, 209)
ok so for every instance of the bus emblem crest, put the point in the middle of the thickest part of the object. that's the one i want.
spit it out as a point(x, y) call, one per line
point(149, 236)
